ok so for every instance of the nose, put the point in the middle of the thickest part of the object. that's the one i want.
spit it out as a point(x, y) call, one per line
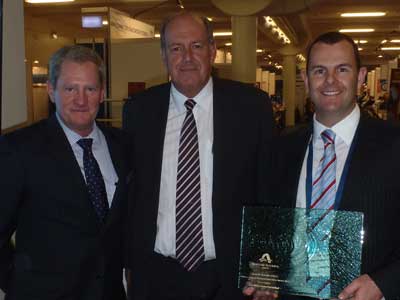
point(188, 54)
point(81, 97)
point(331, 77)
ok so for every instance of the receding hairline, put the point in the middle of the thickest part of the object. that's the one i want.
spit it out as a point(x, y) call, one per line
point(201, 20)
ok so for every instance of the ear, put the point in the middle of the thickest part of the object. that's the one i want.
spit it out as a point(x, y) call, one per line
point(50, 91)
point(361, 77)
point(102, 93)
point(213, 52)
point(164, 57)
point(304, 76)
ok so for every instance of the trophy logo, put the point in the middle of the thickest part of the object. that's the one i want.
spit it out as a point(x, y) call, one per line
point(265, 258)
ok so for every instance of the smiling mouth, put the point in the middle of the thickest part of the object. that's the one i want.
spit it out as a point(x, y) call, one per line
point(330, 93)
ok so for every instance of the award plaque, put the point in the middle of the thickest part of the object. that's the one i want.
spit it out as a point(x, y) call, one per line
point(307, 252)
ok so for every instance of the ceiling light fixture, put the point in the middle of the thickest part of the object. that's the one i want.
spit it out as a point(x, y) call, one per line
point(360, 41)
point(223, 33)
point(228, 44)
point(390, 48)
point(209, 19)
point(301, 58)
point(270, 23)
point(395, 41)
point(259, 50)
point(384, 42)
point(179, 3)
point(348, 30)
point(105, 22)
point(360, 49)
point(363, 14)
point(380, 55)
point(47, 1)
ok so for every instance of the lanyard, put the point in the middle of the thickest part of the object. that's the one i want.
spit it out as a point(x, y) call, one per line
point(339, 191)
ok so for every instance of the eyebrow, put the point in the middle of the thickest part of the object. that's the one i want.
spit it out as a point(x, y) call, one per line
point(336, 66)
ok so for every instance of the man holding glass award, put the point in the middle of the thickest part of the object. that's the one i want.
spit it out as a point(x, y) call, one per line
point(340, 171)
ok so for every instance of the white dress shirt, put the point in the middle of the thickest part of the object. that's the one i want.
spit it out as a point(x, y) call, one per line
point(345, 131)
point(203, 114)
point(100, 152)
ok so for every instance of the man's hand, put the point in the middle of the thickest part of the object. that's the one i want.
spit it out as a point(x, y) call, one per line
point(362, 288)
point(259, 294)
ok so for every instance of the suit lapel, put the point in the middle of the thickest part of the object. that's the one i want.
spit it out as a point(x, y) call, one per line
point(60, 149)
point(296, 155)
point(223, 117)
point(367, 144)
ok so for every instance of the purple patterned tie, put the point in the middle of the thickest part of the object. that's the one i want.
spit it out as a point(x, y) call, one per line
point(189, 230)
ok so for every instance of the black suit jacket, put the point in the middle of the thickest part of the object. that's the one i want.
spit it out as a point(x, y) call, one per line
point(242, 131)
point(372, 186)
point(62, 250)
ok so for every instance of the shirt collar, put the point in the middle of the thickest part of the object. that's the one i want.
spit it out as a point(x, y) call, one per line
point(73, 137)
point(202, 99)
point(345, 129)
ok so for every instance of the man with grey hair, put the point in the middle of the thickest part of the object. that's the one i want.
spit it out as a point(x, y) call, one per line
point(200, 148)
point(62, 189)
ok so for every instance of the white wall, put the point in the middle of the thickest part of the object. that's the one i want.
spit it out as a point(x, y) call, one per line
point(14, 103)
point(134, 60)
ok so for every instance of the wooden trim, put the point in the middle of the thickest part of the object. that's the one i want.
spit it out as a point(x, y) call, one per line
point(15, 127)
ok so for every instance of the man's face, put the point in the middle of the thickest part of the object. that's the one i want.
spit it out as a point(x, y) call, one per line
point(188, 55)
point(332, 81)
point(77, 95)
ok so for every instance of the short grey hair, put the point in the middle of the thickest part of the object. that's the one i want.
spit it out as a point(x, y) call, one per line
point(78, 54)
point(207, 26)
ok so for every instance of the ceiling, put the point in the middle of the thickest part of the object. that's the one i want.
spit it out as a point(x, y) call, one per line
point(301, 20)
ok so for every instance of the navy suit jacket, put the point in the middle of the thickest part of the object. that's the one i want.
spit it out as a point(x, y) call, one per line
point(62, 250)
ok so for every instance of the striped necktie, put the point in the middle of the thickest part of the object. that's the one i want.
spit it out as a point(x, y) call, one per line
point(324, 183)
point(322, 219)
point(189, 230)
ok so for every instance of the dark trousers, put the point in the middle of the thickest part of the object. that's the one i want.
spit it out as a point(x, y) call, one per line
point(170, 281)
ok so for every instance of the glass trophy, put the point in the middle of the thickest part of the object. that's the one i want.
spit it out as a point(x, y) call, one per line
point(307, 252)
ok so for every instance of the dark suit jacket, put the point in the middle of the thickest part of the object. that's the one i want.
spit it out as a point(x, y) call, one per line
point(242, 130)
point(62, 250)
point(372, 186)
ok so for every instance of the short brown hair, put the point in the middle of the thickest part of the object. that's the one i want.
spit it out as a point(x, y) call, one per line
point(78, 54)
point(331, 38)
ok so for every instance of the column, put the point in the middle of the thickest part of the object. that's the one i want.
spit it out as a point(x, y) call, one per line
point(289, 87)
point(244, 45)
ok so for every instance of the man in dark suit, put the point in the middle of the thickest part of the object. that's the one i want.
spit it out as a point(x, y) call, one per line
point(366, 159)
point(228, 125)
point(62, 184)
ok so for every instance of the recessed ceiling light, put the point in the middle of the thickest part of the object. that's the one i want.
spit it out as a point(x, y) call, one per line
point(390, 48)
point(47, 1)
point(105, 22)
point(228, 44)
point(357, 30)
point(36, 61)
point(226, 33)
point(363, 14)
point(384, 42)
point(380, 55)
point(209, 19)
point(259, 50)
point(360, 49)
